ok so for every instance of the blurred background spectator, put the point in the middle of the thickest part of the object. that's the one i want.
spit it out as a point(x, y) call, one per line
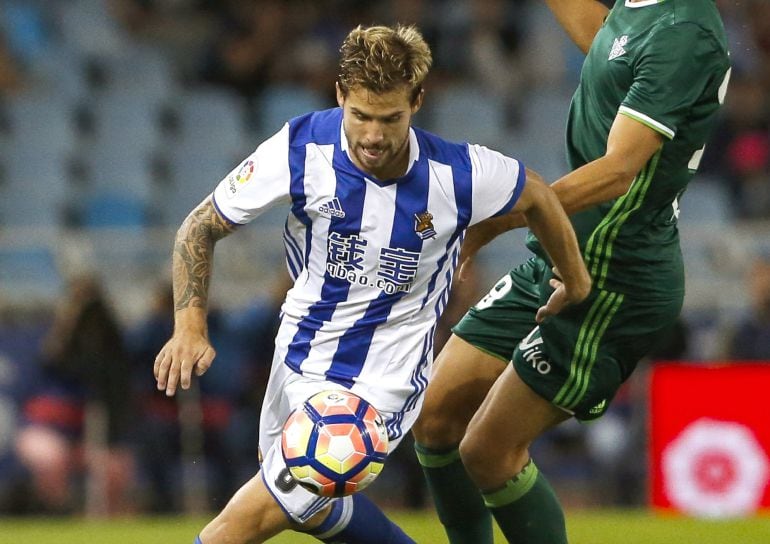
point(10, 74)
point(118, 116)
point(751, 338)
point(76, 418)
point(744, 139)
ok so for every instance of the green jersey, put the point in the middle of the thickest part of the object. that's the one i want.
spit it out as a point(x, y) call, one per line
point(663, 63)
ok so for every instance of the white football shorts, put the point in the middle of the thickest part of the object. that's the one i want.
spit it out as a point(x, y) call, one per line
point(287, 390)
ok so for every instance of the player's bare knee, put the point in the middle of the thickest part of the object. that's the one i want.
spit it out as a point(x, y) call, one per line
point(479, 452)
point(434, 429)
point(477, 455)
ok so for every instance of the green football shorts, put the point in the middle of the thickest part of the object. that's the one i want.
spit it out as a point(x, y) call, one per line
point(577, 359)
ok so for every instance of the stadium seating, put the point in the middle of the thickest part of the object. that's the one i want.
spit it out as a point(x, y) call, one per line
point(32, 270)
point(467, 113)
point(277, 104)
point(706, 201)
point(108, 134)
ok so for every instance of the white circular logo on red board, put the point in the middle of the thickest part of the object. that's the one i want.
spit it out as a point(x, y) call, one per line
point(715, 469)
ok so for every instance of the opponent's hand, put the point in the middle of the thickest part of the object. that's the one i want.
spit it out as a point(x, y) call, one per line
point(182, 354)
point(559, 299)
point(556, 302)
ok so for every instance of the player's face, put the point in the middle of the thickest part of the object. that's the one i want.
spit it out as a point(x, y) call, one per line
point(377, 129)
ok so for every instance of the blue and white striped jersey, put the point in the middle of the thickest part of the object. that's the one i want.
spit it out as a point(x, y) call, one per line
point(372, 261)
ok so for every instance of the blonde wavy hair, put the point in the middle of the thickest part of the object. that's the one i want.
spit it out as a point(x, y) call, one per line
point(382, 59)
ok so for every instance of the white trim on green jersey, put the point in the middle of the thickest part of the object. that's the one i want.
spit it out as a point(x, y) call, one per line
point(643, 3)
point(647, 120)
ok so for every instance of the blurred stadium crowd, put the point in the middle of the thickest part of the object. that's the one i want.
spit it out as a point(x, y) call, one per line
point(118, 116)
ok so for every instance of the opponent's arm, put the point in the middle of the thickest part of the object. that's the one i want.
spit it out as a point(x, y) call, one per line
point(189, 348)
point(546, 217)
point(630, 146)
point(580, 18)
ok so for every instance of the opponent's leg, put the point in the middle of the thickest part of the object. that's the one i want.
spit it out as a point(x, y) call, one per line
point(462, 376)
point(495, 451)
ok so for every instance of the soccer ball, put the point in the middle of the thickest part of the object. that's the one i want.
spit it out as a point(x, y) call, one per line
point(334, 444)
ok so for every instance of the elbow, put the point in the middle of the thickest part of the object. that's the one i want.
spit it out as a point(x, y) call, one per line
point(622, 183)
point(620, 176)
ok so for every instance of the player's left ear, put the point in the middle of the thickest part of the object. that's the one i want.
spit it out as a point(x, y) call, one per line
point(340, 96)
point(417, 102)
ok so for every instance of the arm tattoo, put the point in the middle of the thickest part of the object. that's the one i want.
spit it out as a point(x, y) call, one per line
point(194, 255)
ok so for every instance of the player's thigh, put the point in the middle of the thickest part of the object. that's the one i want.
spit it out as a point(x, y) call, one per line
point(512, 415)
point(461, 378)
point(477, 353)
point(251, 515)
point(497, 323)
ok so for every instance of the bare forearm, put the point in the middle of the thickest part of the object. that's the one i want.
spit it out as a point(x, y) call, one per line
point(591, 184)
point(630, 146)
point(194, 255)
point(484, 232)
point(550, 224)
point(189, 350)
point(581, 19)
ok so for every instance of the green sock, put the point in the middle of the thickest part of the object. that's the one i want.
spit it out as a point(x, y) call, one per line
point(458, 501)
point(527, 509)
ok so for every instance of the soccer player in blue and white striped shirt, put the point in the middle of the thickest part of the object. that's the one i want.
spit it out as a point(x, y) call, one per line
point(378, 211)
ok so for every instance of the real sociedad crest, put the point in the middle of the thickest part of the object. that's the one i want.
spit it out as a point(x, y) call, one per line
point(423, 225)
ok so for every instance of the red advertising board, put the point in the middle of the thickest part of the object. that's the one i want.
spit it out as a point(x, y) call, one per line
point(710, 438)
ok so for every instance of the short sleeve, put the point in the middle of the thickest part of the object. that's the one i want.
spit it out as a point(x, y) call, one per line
point(675, 66)
point(261, 181)
point(497, 182)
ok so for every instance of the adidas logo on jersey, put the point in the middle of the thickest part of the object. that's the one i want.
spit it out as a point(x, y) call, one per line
point(332, 208)
point(617, 47)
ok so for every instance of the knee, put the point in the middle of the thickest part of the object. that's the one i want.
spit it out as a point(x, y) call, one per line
point(434, 429)
point(488, 464)
point(477, 457)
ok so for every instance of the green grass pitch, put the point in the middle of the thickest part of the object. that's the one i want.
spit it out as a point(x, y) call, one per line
point(584, 527)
